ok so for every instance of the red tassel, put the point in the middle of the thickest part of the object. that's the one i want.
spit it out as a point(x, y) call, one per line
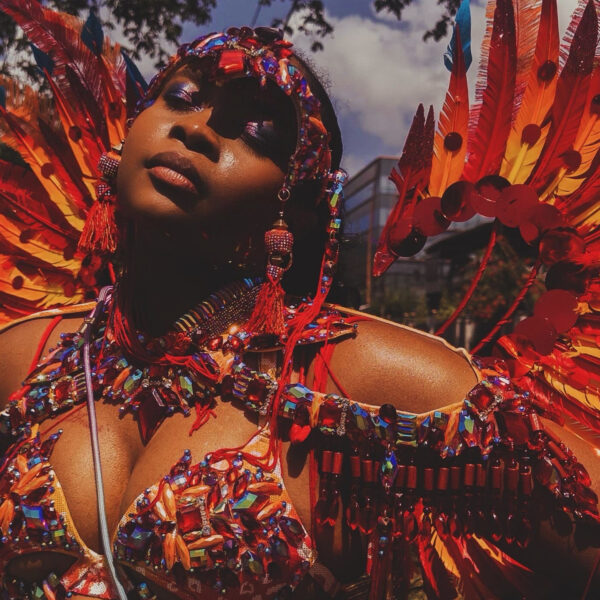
point(100, 230)
point(267, 316)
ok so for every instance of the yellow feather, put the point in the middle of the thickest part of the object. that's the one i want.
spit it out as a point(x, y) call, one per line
point(438, 545)
point(36, 248)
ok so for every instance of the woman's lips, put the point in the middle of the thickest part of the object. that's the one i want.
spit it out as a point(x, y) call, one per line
point(173, 179)
point(176, 171)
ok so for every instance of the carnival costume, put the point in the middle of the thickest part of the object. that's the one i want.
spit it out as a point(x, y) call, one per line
point(430, 496)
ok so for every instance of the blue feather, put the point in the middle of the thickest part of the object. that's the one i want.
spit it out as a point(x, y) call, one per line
point(463, 22)
point(43, 60)
point(133, 72)
point(2, 96)
point(92, 35)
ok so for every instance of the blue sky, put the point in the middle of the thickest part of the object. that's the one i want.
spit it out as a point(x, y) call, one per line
point(378, 69)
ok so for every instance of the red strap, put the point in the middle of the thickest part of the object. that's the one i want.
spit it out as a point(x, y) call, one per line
point(42, 343)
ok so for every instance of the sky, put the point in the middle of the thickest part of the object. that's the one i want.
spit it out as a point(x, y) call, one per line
point(378, 70)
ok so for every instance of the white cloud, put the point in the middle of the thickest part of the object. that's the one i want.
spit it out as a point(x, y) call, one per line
point(352, 163)
point(379, 74)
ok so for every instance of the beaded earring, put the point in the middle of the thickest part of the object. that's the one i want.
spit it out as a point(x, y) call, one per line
point(268, 315)
point(100, 233)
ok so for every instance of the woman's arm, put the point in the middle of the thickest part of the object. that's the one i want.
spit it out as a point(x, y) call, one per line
point(389, 363)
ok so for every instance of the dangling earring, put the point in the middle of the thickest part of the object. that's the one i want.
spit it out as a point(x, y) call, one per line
point(100, 233)
point(268, 315)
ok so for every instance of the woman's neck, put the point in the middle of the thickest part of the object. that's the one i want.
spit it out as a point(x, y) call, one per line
point(166, 275)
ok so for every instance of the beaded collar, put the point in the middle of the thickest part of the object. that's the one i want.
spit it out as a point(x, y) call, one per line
point(204, 348)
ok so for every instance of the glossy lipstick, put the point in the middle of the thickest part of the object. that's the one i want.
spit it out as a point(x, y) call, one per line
point(176, 171)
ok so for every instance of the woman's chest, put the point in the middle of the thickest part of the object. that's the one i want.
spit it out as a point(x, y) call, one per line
point(128, 466)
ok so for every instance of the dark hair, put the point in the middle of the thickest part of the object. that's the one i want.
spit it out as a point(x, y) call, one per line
point(307, 213)
point(327, 112)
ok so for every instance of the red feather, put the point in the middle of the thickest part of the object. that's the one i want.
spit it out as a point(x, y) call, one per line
point(34, 152)
point(493, 115)
point(56, 142)
point(527, 23)
point(87, 141)
point(439, 582)
point(23, 198)
point(410, 176)
point(89, 108)
point(571, 94)
point(55, 34)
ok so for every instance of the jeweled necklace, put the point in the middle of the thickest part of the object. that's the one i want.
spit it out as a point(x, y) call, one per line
point(200, 350)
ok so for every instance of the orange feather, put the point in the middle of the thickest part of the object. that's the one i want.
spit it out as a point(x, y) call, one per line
point(521, 156)
point(47, 167)
point(449, 152)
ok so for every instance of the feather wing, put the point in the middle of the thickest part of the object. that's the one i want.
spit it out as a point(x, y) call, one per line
point(42, 208)
point(410, 176)
point(495, 94)
point(570, 101)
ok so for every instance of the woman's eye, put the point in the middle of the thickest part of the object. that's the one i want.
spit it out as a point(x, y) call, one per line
point(183, 97)
point(260, 135)
point(265, 139)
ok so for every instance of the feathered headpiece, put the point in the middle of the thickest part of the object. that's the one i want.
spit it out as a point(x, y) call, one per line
point(527, 154)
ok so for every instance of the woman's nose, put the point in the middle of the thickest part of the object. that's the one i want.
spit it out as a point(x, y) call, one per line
point(193, 129)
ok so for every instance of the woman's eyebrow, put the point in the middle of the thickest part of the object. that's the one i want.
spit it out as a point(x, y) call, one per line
point(188, 72)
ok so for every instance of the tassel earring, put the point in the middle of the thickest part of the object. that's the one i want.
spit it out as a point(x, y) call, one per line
point(100, 233)
point(268, 315)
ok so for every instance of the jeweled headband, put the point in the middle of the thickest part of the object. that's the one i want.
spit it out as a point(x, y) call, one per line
point(262, 54)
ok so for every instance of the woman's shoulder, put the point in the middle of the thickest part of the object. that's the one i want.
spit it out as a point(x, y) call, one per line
point(391, 363)
point(21, 340)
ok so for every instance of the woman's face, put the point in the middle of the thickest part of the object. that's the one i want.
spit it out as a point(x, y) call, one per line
point(207, 155)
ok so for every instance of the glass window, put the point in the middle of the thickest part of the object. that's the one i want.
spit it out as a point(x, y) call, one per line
point(359, 220)
point(386, 186)
point(354, 200)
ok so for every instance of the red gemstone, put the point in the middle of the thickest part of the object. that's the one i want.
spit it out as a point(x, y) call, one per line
point(455, 526)
point(227, 388)
point(215, 343)
point(352, 512)
point(231, 61)
point(367, 518)
point(189, 518)
point(523, 533)
point(240, 485)
point(257, 391)
point(511, 528)
point(152, 411)
point(496, 529)
point(441, 525)
point(410, 526)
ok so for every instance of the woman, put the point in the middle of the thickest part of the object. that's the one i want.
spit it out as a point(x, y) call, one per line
point(282, 464)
